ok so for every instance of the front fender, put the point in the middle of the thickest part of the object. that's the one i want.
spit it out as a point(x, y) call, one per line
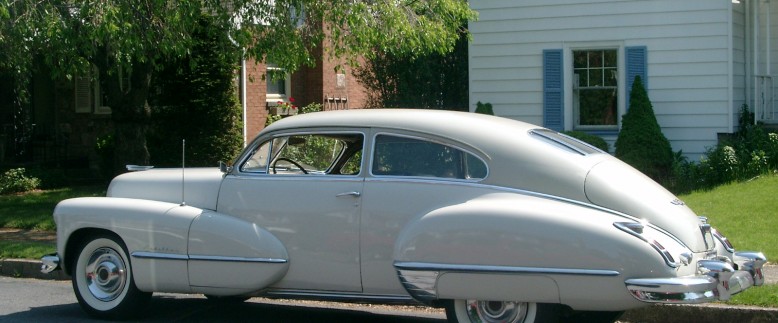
point(505, 239)
point(177, 248)
point(143, 226)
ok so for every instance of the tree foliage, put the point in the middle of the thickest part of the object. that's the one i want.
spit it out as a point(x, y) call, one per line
point(431, 81)
point(195, 100)
point(127, 40)
point(641, 142)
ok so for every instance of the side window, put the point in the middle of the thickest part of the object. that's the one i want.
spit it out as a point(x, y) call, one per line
point(402, 156)
point(318, 154)
point(258, 161)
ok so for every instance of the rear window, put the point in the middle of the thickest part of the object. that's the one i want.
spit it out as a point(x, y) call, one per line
point(403, 156)
point(565, 142)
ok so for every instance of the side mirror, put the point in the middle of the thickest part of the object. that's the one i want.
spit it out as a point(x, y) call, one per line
point(224, 168)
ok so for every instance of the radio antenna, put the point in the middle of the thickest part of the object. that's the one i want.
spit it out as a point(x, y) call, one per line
point(183, 168)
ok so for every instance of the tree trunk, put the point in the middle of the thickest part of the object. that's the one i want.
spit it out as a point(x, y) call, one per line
point(130, 114)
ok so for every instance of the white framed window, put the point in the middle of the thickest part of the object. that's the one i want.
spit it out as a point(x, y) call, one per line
point(586, 85)
point(279, 85)
point(595, 91)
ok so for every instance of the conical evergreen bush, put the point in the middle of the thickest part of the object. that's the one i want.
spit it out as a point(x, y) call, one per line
point(641, 142)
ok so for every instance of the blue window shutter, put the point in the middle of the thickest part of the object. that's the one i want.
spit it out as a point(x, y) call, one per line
point(637, 63)
point(553, 90)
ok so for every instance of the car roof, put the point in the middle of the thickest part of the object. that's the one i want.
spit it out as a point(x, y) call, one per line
point(462, 126)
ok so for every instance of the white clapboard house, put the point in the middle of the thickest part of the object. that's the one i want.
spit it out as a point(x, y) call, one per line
point(569, 64)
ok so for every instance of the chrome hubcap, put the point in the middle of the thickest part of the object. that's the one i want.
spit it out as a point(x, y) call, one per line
point(105, 274)
point(494, 312)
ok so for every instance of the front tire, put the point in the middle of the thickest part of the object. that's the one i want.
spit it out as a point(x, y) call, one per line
point(471, 311)
point(103, 281)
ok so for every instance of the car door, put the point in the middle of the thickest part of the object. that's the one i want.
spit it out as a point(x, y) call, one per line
point(410, 175)
point(305, 188)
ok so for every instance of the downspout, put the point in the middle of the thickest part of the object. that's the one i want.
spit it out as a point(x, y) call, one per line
point(755, 54)
point(768, 69)
point(243, 104)
point(730, 69)
point(748, 63)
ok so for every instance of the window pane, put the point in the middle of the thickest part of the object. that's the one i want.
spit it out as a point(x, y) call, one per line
point(277, 87)
point(400, 156)
point(595, 77)
point(258, 160)
point(611, 58)
point(317, 154)
point(580, 59)
point(597, 107)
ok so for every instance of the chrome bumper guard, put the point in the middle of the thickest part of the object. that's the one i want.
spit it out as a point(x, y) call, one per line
point(715, 280)
point(50, 263)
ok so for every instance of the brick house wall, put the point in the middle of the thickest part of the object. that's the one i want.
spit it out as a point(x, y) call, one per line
point(318, 84)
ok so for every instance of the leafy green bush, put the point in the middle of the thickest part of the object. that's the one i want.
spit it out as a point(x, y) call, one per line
point(15, 181)
point(748, 153)
point(641, 142)
point(589, 139)
point(484, 108)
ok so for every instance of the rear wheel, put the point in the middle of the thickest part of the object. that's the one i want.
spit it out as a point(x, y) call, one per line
point(103, 281)
point(471, 311)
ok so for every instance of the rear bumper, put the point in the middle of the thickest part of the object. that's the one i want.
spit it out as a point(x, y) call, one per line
point(715, 280)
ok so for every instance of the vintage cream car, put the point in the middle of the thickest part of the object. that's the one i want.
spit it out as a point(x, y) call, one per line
point(494, 219)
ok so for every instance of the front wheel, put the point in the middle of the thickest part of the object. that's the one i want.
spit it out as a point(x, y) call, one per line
point(102, 279)
point(471, 311)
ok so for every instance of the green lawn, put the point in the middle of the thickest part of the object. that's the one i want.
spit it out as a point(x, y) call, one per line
point(746, 213)
point(33, 210)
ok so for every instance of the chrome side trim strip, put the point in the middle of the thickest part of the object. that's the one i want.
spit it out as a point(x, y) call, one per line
point(238, 259)
point(158, 255)
point(170, 256)
point(422, 266)
point(306, 294)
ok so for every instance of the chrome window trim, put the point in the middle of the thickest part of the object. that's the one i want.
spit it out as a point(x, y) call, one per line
point(540, 133)
point(260, 140)
point(170, 256)
point(427, 139)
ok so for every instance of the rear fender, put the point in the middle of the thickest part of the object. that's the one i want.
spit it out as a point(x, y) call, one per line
point(512, 240)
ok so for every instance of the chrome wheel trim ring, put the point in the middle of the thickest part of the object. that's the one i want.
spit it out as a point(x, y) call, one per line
point(105, 274)
point(494, 311)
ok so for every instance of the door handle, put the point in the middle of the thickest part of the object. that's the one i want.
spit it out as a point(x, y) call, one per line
point(354, 194)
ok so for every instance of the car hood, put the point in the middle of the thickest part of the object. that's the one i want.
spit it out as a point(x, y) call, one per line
point(200, 186)
point(615, 185)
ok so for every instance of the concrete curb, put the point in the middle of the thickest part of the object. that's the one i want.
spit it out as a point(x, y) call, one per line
point(26, 268)
point(700, 313)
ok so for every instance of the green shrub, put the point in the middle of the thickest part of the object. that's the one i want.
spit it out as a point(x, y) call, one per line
point(484, 108)
point(15, 181)
point(641, 142)
point(593, 140)
point(748, 153)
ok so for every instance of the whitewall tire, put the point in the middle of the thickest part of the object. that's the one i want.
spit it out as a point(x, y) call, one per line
point(471, 311)
point(102, 279)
